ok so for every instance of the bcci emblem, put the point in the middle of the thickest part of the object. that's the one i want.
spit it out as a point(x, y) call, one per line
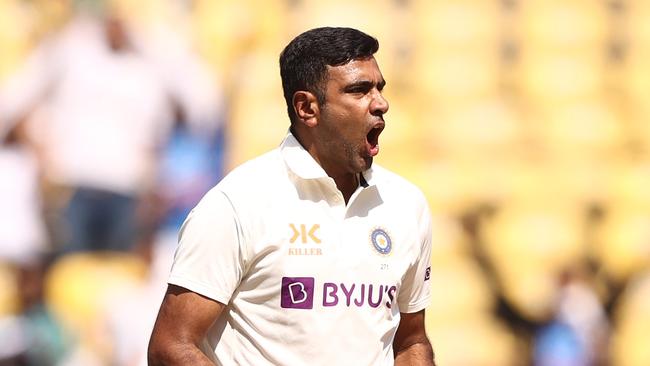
point(381, 241)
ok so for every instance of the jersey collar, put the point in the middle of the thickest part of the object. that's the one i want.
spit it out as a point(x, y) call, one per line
point(302, 164)
point(299, 161)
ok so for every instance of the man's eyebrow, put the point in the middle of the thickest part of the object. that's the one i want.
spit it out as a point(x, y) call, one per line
point(364, 84)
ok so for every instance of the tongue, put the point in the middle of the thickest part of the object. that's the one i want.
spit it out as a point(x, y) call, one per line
point(372, 149)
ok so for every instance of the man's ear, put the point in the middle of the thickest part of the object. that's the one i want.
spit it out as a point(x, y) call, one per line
point(305, 104)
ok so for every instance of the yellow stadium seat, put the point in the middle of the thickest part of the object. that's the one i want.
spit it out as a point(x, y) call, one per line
point(457, 181)
point(78, 286)
point(308, 14)
point(524, 181)
point(49, 16)
point(455, 52)
point(456, 26)
point(552, 79)
point(638, 126)
point(636, 26)
point(546, 236)
point(583, 180)
point(531, 291)
point(479, 128)
point(629, 346)
point(255, 128)
point(562, 25)
point(622, 242)
point(449, 241)
point(473, 341)
point(223, 33)
point(635, 79)
point(529, 245)
point(14, 37)
point(459, 289)
point(144, 11)
point(447, 77)
point(449, 187)
point(587, 128)
point(258, 116)
point(629, 185)
point(227, 29)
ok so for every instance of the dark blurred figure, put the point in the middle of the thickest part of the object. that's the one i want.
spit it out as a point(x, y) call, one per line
point(48, 342)
point(34, 334)
point(191, 164)
point(31, 335)
point(577, 334)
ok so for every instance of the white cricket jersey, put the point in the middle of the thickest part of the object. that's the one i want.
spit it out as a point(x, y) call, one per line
point(306, 278)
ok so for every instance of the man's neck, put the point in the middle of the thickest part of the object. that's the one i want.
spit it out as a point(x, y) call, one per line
point(347, 184)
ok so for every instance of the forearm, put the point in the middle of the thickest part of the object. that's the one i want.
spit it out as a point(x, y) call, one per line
point(181, 354)
point(420, 354)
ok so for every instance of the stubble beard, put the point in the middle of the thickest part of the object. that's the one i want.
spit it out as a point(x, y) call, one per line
point(356, 160)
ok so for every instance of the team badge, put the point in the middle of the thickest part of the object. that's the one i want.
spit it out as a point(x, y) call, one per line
point(381, 241)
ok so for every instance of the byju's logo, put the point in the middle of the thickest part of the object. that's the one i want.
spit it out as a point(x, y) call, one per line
point(297, 292)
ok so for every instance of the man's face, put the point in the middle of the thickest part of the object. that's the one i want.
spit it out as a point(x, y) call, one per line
point(115, 34)
point(351, 119)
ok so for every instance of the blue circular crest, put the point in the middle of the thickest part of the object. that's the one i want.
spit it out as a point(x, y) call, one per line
point(381, 241)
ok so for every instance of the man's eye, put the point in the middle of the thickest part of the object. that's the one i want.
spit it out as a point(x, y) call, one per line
point(358, 90)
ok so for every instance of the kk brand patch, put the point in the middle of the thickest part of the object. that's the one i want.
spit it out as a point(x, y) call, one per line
point(381, 241)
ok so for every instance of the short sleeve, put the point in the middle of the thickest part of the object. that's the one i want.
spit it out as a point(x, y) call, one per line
point(415, 293)
point(208, 259)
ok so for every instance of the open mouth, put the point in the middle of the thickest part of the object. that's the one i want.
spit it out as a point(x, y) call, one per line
point(372, 139)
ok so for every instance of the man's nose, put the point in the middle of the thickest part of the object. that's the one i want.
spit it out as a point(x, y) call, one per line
point(379, 104)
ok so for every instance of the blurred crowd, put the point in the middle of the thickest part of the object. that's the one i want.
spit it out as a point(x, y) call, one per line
point(524, 122)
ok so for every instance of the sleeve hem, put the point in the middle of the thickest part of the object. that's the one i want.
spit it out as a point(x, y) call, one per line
point(200, 289)
point(415, 307)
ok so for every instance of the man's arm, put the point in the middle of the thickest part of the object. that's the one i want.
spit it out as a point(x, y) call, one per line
point(411, 345)
point(183, 321)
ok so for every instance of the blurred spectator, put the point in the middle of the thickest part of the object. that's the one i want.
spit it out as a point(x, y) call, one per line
point(37, 337)
point(191, 165)
point(130, 317)
point(23, 235)
point(103, 110)
point(568, 72)
point(578, 333)
point(558, 345)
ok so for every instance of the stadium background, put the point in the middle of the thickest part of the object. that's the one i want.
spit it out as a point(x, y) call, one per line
point(525, 122)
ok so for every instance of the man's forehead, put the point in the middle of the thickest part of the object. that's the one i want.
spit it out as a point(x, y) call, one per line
point(357, 69)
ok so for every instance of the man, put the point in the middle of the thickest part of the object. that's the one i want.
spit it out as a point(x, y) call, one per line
point(97, 130)
point(99, 106)
point(307, 254)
